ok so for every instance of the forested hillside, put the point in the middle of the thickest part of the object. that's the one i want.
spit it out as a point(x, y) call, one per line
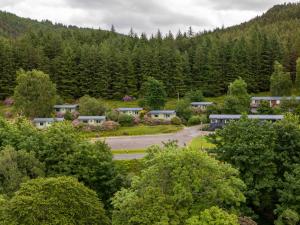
point(109, 65)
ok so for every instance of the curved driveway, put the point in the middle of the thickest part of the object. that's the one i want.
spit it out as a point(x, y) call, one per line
point(183, 137)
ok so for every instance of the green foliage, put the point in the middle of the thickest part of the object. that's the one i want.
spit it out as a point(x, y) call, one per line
point(35, 94)
point(288, 217)
point(195, 96)
point(289, 105)
point(112, 115)
point(92, 164)
point(195, 120)
point(176, 121)
point(281, 84)
point(249, 146)
point(126, 120)
point(213, 216)
point(237, 101)
point(17, 167)
point(297, 80)
point(154, 94)
point(89, 106)
point(61, 200)
point(175, 185)
point(184, 109)
point(68, 116)
point(264, 108)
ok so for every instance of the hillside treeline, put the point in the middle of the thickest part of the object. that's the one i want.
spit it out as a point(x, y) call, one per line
point(109, 65)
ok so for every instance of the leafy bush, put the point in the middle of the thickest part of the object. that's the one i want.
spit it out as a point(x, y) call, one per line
point(89, 106)
point(184, 109)
point(195, 120)
point(68, 116)
point(176, 121)
point(126, 120)
point(112, 115)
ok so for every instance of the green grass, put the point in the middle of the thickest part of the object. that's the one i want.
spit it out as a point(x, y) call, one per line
point(126, 151)
point(113, 104)
point(135, 130)
point(217, 100)
point(200, 143)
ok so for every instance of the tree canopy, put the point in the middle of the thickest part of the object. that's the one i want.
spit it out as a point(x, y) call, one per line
point(61, 200)
point(176, 185)
point(35, 94)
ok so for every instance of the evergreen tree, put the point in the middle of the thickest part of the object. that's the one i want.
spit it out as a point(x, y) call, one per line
point(281, 84)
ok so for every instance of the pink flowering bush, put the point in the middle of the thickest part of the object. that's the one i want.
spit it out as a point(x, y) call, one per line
point(59, 114)
point(8, 114)
point(76, 123)
point(8, 101)
point(127, 98)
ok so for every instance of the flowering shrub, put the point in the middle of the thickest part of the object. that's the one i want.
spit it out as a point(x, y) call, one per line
point(59, 114)
point(154, 122)
point(110, 125)
point(75, 114)
point(8, 101)
point(127, 98)
point(76, 123)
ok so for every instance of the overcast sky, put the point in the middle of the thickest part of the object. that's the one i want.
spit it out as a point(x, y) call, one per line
point(142, 15)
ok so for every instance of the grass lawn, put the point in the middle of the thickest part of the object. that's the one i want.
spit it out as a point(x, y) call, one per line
point(135, 130)
point(200, 143)
point(171, 104)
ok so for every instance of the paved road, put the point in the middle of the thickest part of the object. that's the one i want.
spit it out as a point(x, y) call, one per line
point(141, 142)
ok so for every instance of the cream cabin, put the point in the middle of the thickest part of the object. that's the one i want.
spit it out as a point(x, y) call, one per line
point(92, 120)
point(201, 105)
point(162, 114)
point(130, 111)
point(42, 123)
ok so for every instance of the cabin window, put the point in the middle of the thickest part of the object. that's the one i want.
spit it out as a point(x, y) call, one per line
point(167, 115)
point(57, 110)
point(85, 121)
point(98, 121)
point(155, 115)
point(41, 124)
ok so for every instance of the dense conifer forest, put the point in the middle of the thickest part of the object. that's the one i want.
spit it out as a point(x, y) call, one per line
point(110, 65)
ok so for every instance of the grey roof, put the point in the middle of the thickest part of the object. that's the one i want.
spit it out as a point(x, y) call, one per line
point(202, 103)
point(50, 120)
point(270, 98)
point(66, 106)
point(130, 109)
point(237, 116)
point(162, 112)
point(91, 118)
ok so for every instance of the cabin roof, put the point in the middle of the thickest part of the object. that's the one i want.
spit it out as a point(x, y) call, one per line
point(270, 98)
point(91, 118)
point(162, 112)
point(238, 116)
point(50, 120)
point(66, 106)
point(130, 109)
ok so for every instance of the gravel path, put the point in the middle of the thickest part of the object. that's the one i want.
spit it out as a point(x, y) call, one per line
point(183, 137)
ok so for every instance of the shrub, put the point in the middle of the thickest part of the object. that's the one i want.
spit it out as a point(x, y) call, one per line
point(184, 109)
point(176, 121)
point(8, 114)
point(109, 125)
point(68, 116)
point(8, 101)
point(112, 115)
point(126, 120)
point(136, 120)
point(128, 98)
point(59, 114)
point(154, 122)
point(89, 106)
point(195, 120)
